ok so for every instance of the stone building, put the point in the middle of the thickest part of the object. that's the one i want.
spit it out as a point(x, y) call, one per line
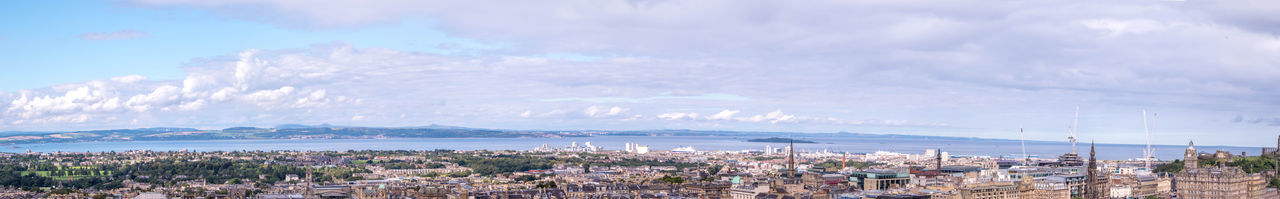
point(1218, 181)
point(1025, 189)
point(1213, 182)
point(709, 190)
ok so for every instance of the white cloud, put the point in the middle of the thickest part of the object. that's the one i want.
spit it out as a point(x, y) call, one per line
point(192, 105)
point(79, 99)
point(268, 98)
point(723, 115)
point(599, 111)
point(129, 78)
point(1120, 27)
point(678, 115)
point(161, 98)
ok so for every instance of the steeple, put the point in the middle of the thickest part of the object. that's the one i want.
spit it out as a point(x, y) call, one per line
point(938, 159)
point(1092, 191)
point(1091, 153)
point(791, 159)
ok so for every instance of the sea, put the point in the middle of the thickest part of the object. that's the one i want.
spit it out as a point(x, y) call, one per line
point(916, 145)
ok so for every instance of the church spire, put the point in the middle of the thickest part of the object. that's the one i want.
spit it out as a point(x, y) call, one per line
point(791, 159)
point(1092, 191)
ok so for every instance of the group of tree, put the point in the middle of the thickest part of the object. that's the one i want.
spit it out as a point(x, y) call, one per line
point(499, 164)
point(672, 180)
point(547, 184)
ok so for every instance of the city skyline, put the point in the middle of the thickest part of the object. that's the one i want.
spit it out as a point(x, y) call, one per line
point(961, 69)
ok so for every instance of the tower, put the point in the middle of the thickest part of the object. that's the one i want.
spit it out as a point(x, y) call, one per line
point(791, 159)
point(938, 159)
point(1191, 158)
point(1092, 191)
point(844, 160)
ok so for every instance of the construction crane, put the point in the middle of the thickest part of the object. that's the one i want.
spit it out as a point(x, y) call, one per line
point(1148, 153)
point(1072, 130)
point(1023, 138)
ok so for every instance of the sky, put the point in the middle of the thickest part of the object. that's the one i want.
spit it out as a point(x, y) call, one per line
point(1206, 71)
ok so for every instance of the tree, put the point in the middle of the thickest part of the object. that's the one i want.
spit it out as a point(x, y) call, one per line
point(526, 178)
point(672, 180)
point(548, 184)
point(715, 170)
point(1172, 167)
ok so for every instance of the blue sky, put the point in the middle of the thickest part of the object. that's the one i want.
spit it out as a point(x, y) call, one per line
point(50, 51)
point(970, 69)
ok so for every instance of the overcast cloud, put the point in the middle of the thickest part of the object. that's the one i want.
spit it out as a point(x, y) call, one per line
point(957, 68)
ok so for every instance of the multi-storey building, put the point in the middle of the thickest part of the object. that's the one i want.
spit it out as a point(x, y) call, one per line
point(1025, 189)
point(1218, 181)
point(880, 179)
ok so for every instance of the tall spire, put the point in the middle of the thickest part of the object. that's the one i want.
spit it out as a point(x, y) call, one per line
point(938, 158)
point(1092, 190)
point(791, 159)
point(1091, 153)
